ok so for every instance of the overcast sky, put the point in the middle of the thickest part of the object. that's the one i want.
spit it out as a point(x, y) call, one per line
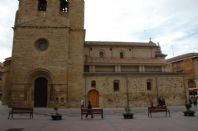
point(172, 23)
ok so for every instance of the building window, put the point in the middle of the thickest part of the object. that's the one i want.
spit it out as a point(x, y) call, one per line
point(116, 85)
point(42, 44)
point(101, 54)
point(42, 5)
point(86, 68)
point(149, 85)
point(93, 84)
point(64, 5)
point(121, 55)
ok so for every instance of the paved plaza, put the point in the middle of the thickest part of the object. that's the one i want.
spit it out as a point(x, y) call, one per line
point(113, 121)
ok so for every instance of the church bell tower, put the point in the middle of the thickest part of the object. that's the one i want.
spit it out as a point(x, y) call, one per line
point(46, 67)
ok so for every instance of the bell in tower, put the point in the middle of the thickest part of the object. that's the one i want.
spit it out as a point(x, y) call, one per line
point(64, 5)
point(42, 5)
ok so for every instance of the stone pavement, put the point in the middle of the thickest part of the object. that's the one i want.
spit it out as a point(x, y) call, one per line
point(113, 121)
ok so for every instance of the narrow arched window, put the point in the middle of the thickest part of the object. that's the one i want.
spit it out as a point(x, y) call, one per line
point(149, 85)
point(64, 5)
point(116, 85)
point(93, 84)
point(121, 55)
point(101, 54)
point(42, 5)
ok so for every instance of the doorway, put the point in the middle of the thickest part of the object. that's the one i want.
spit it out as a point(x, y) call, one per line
point(93, 97)
point(40, 92)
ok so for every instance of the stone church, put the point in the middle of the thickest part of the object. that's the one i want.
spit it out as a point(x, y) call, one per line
point(53, 65)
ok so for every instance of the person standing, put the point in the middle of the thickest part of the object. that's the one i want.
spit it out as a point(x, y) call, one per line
point(195, 101)
point(89, 112)
point(82, 103)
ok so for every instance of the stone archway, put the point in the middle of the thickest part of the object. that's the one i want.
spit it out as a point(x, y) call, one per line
point(40, 92)
point(93, 97)
point(40, 87)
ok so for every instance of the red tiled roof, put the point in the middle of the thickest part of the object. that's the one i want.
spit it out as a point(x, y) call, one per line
point(114, 43)
point(96, 60)
point(182, 57)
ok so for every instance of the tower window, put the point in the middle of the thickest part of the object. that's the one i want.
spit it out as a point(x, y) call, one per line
point(64, 5)
point(42, 5)
point(116, 85)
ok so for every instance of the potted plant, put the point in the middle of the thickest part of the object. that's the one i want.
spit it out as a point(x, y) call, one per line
point(128, 114)
point(56, 115)
point(188, 111)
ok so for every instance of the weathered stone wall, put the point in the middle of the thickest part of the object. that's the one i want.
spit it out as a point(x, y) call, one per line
point(187, 63)
point(170, 87)
point(1, 82)
point(1, 87)
point(74, 18)
point(1, 79)
point(6, 83)
point(76, 67)
point(61, 64)
point(173, 89)
point(195, 62)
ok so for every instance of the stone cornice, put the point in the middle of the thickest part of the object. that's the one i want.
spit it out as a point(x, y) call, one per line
point(125, 74)
point(45, 27)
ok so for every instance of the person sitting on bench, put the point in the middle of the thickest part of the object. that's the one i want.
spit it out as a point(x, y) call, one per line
point(161, 102)
point(89, 107)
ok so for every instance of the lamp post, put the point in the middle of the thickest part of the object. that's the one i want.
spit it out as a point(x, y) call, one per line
point(127, 114)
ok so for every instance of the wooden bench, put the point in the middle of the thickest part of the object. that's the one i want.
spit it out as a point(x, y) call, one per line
point(21, 110)
point(158, 109)
point(84, 111)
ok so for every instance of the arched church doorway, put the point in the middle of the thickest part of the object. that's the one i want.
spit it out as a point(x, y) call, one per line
point(40, 92)
point(93, 97)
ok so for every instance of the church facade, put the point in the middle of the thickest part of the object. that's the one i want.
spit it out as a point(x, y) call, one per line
point(53, 65)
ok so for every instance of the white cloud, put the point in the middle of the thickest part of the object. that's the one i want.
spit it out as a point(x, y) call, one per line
point(7, 17)
point(173, 23)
